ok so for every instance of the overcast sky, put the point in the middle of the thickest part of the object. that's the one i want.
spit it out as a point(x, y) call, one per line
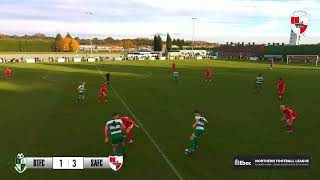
point(217, 20)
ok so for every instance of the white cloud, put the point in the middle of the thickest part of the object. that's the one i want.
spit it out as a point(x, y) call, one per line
point(227, 20)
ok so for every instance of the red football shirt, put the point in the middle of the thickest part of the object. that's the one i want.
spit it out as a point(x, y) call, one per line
point(8, 71)
point(103, 88)
point(289, 113)
point(281, 84)
point(208, 72)
point(174, 66)
point(126, 121)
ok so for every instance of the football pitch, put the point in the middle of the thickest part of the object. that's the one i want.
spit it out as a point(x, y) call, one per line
point(39, 118)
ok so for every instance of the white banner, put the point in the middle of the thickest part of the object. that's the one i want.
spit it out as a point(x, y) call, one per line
point(61, 60)
point(91, 59)
point(30, 61)
point(77, 60)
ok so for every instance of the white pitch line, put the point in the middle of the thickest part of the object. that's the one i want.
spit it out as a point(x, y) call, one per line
point(145, 131)
point(147, 76)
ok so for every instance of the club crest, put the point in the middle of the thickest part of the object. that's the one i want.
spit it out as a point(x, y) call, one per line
point(21, 163)
point(299, 22)
point(115, 162)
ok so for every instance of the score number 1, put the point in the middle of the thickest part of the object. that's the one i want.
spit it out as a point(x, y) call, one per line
point(67, 163)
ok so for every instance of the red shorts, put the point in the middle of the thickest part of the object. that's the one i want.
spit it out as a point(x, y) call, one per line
point(8, 74)
point(208, 76)
point(291, 119)
point(280, 92)
point(103, 93)
point(129, 126)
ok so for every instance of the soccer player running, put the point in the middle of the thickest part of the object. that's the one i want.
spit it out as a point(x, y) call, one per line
point(198, 130)
point(259, 82)
point(103, 92)
point(81, 91)
point(208, 75)
point(173, 67)
point(129, 124)
point(176, 76)
point(175, 73)
point(116, 129)
point(7, 73)
point(281, 88)
point(108, 79)
point(289, 117)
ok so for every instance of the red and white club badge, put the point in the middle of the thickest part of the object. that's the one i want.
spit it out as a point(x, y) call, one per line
point(115, 162)
point(299, 22)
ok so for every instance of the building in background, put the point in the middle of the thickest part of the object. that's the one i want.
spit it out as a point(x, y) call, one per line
point(187, 54)
point(143, 55)
point(87, 48)
point(239, 51)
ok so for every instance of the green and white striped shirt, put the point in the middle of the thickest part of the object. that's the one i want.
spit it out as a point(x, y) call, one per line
point(81, 88)
point(201, 122)
point(114, 126)
point(259, 80)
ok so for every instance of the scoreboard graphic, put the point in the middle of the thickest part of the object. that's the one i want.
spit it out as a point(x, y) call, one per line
point(68, 163)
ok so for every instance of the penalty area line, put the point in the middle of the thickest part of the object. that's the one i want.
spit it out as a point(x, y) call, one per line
point(155, 144)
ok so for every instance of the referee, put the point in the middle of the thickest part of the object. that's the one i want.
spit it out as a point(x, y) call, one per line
point(108, 78)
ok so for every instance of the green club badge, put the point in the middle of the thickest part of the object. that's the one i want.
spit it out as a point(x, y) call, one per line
point(21, 163)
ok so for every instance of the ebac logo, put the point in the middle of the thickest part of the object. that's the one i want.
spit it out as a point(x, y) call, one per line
point(299, 22)
point(115, 162)
point(238, 162)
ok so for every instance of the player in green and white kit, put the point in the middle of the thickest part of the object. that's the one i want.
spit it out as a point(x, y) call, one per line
point(259, 82)
point(198, 130)
point(81, 90)
point(176, 75)
point(116, 129)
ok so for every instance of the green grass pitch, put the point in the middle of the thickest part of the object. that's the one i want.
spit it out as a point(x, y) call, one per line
point(39, 117)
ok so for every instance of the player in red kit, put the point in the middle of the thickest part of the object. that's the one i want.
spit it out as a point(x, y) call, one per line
point(281, 88)
point(103, 92)
point(173, 67)
point(289, 117)
point(129, 123)
point(208, 75)
point(8, 73)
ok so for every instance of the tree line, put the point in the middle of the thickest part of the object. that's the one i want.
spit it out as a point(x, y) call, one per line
point(66, 44)
point(69, 44)
point(158, 43)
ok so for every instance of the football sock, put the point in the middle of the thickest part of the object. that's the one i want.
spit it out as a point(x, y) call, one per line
point(123, 150)
point(129, 136)
point(193, 145)
point(196, 142)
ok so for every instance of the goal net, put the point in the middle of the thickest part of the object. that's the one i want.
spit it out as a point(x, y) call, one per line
point(303, 59)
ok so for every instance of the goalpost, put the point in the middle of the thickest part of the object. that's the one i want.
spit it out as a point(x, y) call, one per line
point(306, 59)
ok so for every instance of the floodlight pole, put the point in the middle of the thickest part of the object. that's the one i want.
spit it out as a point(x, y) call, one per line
point(193, 19)
point(91, 47)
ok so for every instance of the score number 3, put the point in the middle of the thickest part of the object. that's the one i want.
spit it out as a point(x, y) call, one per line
point(67, 162)
point(73, 165)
